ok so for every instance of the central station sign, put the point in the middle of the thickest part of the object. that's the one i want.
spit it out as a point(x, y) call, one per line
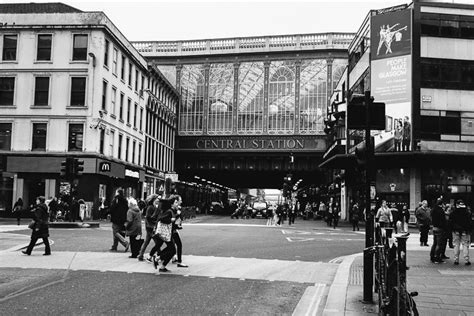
point(252, 143)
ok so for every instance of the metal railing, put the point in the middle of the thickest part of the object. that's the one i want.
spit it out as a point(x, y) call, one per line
point(246, 44)
point(390, 274)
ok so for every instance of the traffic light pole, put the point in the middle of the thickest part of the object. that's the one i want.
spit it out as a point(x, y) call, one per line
point(369, 217)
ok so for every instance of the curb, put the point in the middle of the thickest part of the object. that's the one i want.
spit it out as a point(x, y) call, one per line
point(336, 300)
point(74, 225)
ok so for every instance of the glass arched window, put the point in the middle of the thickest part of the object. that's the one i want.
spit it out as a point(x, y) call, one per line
point(313, 96)
point(281, 98)
point(251, 98)
point(221, 95)
point(192, 96)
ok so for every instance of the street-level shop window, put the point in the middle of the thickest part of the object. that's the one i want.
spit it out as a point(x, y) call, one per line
point(78, 91)
point(5, 136)
point(79, 50)
point(7, 90)
point(76, 137)
point(41, 91)
point(9, 47)
point(39, 136)
point(44, 47)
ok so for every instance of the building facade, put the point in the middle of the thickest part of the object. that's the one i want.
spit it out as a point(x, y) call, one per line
point(72, 86)
point(417, 59)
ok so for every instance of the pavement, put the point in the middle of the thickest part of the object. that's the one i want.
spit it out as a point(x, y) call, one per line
point(334, 288)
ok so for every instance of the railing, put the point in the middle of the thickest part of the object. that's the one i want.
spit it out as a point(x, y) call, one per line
point(246, 44)
point(390, 274)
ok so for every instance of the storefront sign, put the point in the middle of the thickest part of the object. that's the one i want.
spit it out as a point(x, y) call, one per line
point(132, 174)
point(105, 167)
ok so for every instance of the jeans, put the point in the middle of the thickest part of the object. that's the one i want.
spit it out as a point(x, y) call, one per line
point(465, 240)
point(149, 233)
point(134, 245)
point(424, 230)
point(168, 252)
point(117, 231)
point(34, 239)
point(439, 243)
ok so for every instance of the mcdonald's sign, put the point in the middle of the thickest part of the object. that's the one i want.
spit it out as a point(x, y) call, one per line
point(104, 167)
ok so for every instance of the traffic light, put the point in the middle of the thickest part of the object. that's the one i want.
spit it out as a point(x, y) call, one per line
point(357, 113)
point(67, 168)
point(64, 168)
point(78, 167)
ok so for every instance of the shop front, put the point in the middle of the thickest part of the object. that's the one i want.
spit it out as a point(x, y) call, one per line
point(154, 183)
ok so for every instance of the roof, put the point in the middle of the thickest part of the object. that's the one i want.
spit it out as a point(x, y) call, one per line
point(51, 7)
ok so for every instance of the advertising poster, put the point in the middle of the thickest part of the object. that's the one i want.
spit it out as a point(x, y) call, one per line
point(390, 72)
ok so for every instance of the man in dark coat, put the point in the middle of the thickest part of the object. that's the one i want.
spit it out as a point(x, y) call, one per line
point(39, 226)
point(439, 232)
point(118, 217)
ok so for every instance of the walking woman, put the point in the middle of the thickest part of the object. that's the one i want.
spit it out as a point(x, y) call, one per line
point(384, 215)
point(177, 225)
point(163, 235)
point(40, 227)
point(151, 215)
point(134, 226)
point(17, 210)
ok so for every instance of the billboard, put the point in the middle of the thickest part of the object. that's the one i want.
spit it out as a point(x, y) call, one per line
point(390, 76)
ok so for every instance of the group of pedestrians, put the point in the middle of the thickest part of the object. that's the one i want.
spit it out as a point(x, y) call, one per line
point(391, 216)
point(162, 221)
point(452, 224)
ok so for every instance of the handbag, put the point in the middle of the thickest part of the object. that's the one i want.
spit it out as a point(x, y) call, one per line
point(31, 225)
point(163, 231)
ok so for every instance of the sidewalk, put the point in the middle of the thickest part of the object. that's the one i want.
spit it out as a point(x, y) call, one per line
point(444, 289)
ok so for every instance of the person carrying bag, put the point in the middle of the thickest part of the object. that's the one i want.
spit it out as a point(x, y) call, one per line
point(163, 235)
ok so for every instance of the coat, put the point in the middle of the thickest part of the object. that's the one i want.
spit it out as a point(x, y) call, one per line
point(134, 222)
point(118, 210)
point(41, 225)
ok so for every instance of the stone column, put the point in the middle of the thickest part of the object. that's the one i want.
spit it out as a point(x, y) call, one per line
point(266, 66)
point(297, 96)
point(236, 99)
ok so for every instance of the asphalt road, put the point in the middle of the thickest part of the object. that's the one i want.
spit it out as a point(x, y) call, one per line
point(59, 292)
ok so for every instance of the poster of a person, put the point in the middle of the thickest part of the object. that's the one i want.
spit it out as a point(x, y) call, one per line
point(386, 36)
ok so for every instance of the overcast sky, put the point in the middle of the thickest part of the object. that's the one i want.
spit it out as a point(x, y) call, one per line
point(181, 20)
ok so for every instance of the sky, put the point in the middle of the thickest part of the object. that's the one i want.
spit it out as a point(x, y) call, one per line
point(158, 20)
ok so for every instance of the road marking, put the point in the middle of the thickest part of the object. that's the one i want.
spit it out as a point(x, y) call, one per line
point(310, 301)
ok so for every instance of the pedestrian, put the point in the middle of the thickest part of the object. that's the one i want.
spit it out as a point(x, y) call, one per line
point(151, 215)
point(395, 216)
point(355, 216)
point(439, 233)
point(118, 217)
point(336, 213)
point(75, 208)
point(403, 219)
point(53, 209)
point(384, 215)
point(461, 225)
point(133, 227)
point(449, 231)
point(102, 209)
point(423, 219)
point(82, 209)
point(176, 227)
point(18, 209)
point(291, 213)
point(163, 235)
point(39, 226)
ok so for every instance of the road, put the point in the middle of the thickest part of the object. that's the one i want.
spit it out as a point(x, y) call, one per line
point(238, 267)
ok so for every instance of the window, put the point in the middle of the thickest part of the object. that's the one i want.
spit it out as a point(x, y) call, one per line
point(134, 144)
point(139, 153)
point(78, 91)
point(5, 136)
point(41, 91)
point(104, 95)
point(111, 145)
point(75, 139)
point(141, 118)
point(127, 145)
point(122, 69)
point(106, 53)
point(135, 112)
point(113, 100)
point(114, 61)
point(121, 106)
point(79, 49)
point(101, 144)
point(7, 90)
point(130, 74)
point(129, 105)
point(136, 80)
point(39, 136)
point(9, 47)
point(44, 47)
point(119, 155)
point(143, 83)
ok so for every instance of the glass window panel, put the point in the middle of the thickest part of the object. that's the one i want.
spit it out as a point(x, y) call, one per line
point(449, 28)
point(44, 47)
point(281, 97)
point(192, 96)
point(75, 139)
point(39, 136)
point(79, 51)
point(5, 136)
point(251, 98)
point(9, 47)
point(430, 27)
point(313, 79)
point(78, 91)
point(466, 29)
point(220, 99)
point(41, 91)
point(7, 89)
